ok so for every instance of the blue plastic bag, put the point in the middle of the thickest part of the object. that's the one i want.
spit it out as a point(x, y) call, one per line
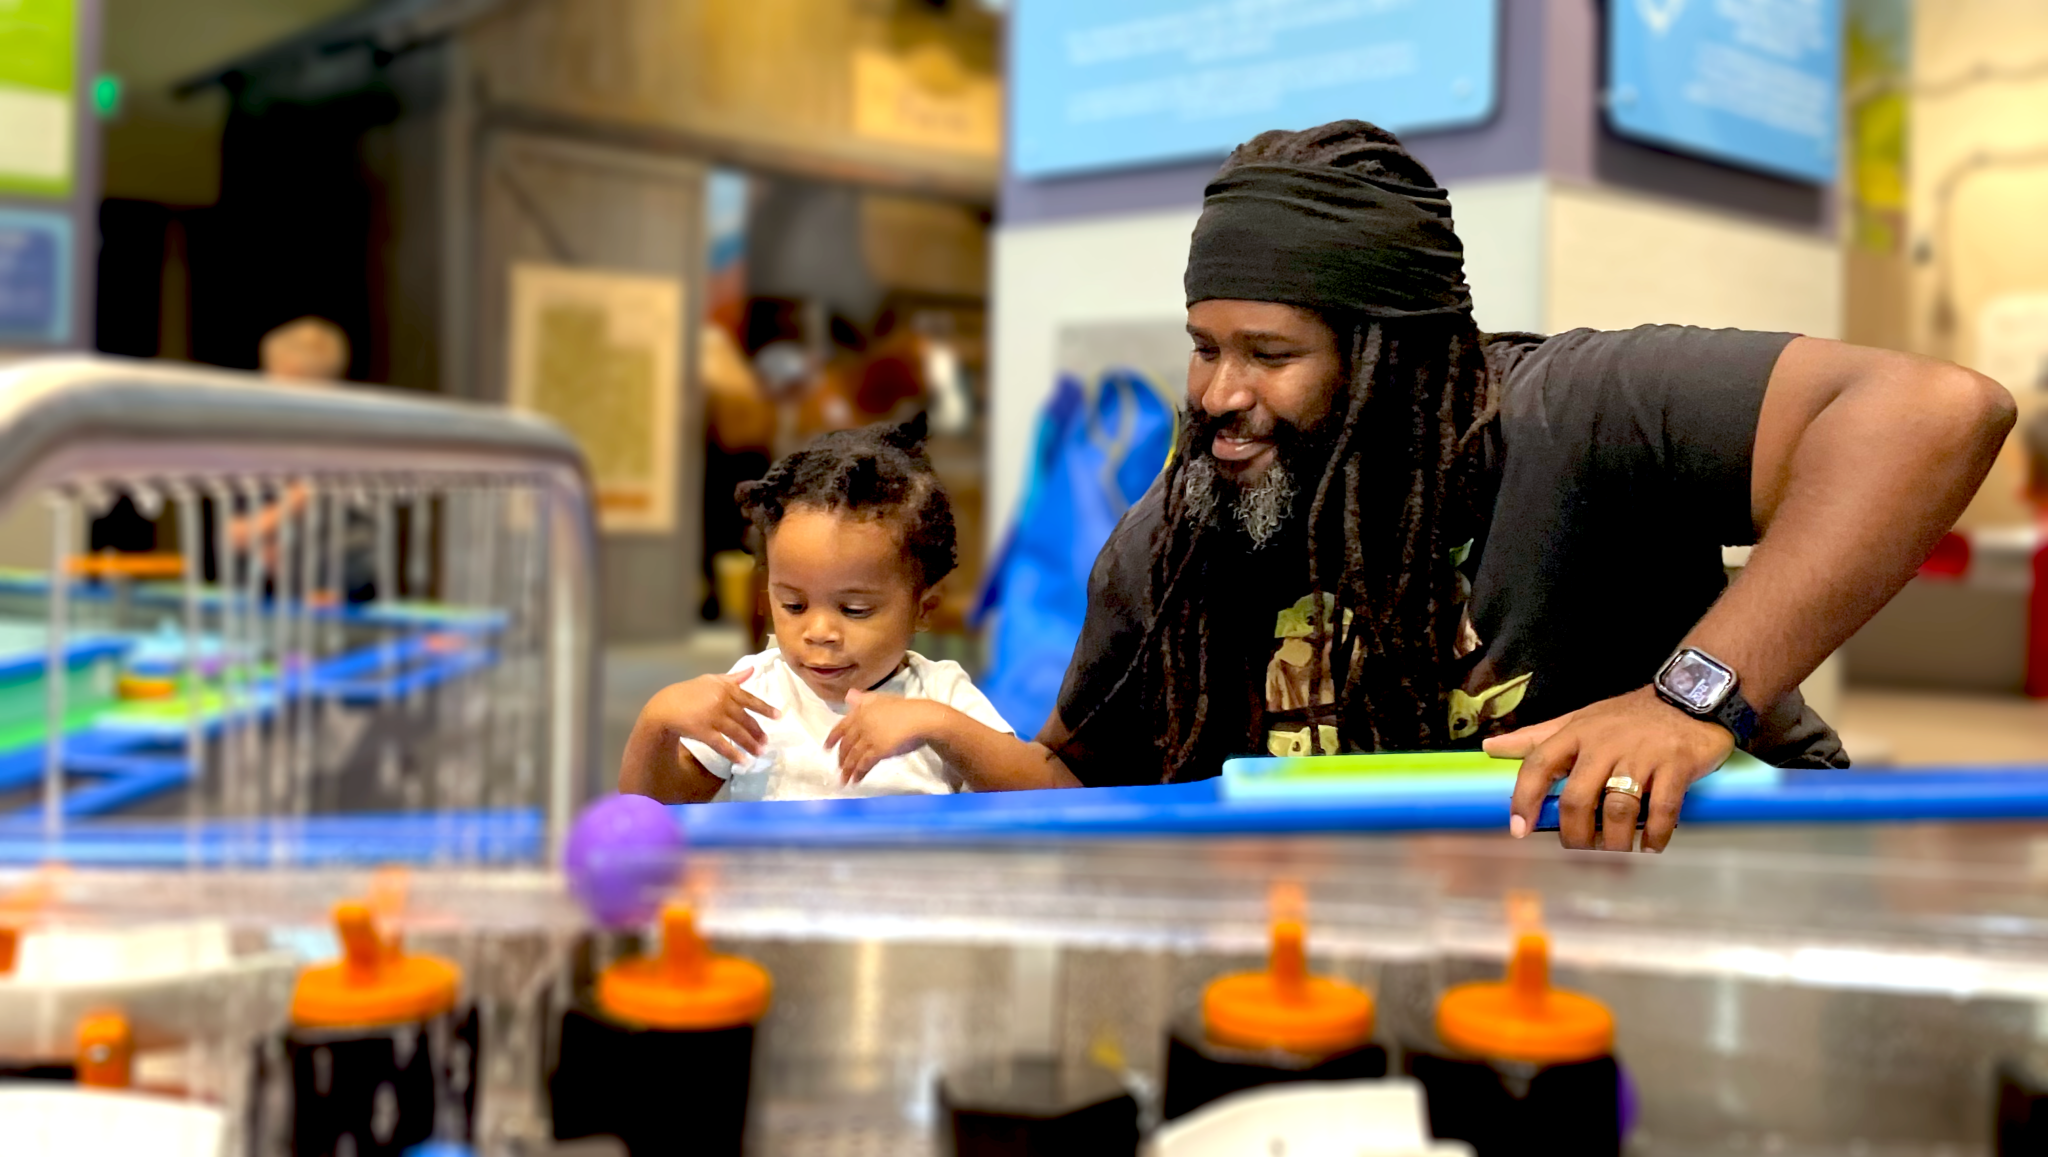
point(1092, 457)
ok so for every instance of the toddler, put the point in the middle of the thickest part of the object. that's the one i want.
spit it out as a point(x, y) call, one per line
point(858, 534)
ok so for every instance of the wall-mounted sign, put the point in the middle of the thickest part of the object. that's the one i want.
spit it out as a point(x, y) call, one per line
point(1101, 86)
point(1754, 83)
point(35, 278)
point(601, 354)
point(927, 100)
point(38, 107)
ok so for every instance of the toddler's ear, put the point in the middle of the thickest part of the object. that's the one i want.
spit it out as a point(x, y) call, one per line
point(928, 603)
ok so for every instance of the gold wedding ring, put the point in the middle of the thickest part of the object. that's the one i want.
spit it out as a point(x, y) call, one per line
point(1624, 784)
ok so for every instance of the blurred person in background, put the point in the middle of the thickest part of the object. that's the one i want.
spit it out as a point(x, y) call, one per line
point(309, 349)
point(305, 351)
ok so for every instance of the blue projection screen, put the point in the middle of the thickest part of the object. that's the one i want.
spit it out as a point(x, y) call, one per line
point(1103, 86)
point(1753, 83)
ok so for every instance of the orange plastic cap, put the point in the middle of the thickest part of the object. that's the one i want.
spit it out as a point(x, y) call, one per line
point(21, 907)
point(1523, 1018)
point(1284, 1007)
point(145, 687)
point(374, 982)
point(686, 987)
point(106, 1051)
point(114, 564)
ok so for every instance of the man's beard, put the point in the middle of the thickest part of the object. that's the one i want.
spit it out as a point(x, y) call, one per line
point(1260, 509)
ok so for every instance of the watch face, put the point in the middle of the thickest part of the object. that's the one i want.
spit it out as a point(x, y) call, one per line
point(1698, 681)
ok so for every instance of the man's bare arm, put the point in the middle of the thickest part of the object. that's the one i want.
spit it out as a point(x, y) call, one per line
point(1863, 459)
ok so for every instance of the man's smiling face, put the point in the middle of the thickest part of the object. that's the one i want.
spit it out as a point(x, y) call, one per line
point(1260, 370)
point(1263, 379)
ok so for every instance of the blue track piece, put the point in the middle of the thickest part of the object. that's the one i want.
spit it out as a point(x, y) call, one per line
point(23, 767)
point(422, 677)
point(496, 836)
point(110, 793)
point(172, 594)
point(125, 761)
point(83, 649)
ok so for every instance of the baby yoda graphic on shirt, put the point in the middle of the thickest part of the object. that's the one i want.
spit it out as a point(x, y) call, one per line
point(1301, 716)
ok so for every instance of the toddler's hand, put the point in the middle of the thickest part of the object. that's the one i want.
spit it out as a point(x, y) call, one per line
point(879, 727)
point(712, 709)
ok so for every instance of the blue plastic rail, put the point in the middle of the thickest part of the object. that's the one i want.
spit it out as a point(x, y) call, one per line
point(1200, 808)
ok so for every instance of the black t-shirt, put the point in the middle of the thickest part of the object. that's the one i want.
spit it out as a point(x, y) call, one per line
point(1623, 468)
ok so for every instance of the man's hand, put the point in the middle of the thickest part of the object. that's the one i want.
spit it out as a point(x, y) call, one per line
point(882, 726)
point(1637, 735)
point(713, 710)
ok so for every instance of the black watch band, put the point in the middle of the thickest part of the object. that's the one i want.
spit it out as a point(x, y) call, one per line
point(1732, 711)
point(1738, 717)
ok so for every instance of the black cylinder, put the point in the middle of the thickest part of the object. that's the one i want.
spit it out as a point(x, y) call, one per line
point(1501, 1108)
point(1200, 1070)
point(658, 1091)
point(1036, 1107)
point(2022, 1107)
point(385, 1088)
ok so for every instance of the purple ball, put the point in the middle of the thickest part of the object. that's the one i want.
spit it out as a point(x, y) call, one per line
point(623, 858)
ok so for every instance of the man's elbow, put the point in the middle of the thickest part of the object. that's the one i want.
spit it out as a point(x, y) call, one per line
point(1981, 411)
point(1983, 406)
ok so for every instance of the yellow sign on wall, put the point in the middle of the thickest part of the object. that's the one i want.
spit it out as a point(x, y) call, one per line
point(925, 99)
point(600, 353)
point(38, 105)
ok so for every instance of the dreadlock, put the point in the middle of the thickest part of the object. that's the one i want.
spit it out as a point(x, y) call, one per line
point(1400, 492)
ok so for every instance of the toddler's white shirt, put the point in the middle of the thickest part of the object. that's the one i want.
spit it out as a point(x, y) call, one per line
point(795, 763)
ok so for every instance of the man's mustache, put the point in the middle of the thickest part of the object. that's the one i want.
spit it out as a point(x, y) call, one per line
point(1206, 428)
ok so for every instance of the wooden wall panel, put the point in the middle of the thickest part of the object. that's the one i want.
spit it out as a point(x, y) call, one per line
point(773, 75)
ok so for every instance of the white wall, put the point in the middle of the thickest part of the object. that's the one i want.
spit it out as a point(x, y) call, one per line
point(1046, 276)
point(1501, 224)
point(1617, 259)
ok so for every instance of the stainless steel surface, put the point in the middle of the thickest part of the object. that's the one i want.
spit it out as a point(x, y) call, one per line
point(1825, 991)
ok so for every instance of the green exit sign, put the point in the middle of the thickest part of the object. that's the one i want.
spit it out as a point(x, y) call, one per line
point(106, 96)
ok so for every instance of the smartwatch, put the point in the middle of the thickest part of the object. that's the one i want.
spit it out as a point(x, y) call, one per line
point(1706, 688)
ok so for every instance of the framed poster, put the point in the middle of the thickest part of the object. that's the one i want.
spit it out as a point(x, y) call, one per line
point(600, 354)
point(38, 101)
point(1103, 86)
point(35, 277)
point(1755, 84)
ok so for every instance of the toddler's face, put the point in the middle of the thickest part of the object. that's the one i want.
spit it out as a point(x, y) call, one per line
point(845, 599)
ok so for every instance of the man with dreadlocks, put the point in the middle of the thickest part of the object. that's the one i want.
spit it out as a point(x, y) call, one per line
point(1382, 530)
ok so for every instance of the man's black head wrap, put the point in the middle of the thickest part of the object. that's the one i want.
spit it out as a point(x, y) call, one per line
point(1329, 237)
